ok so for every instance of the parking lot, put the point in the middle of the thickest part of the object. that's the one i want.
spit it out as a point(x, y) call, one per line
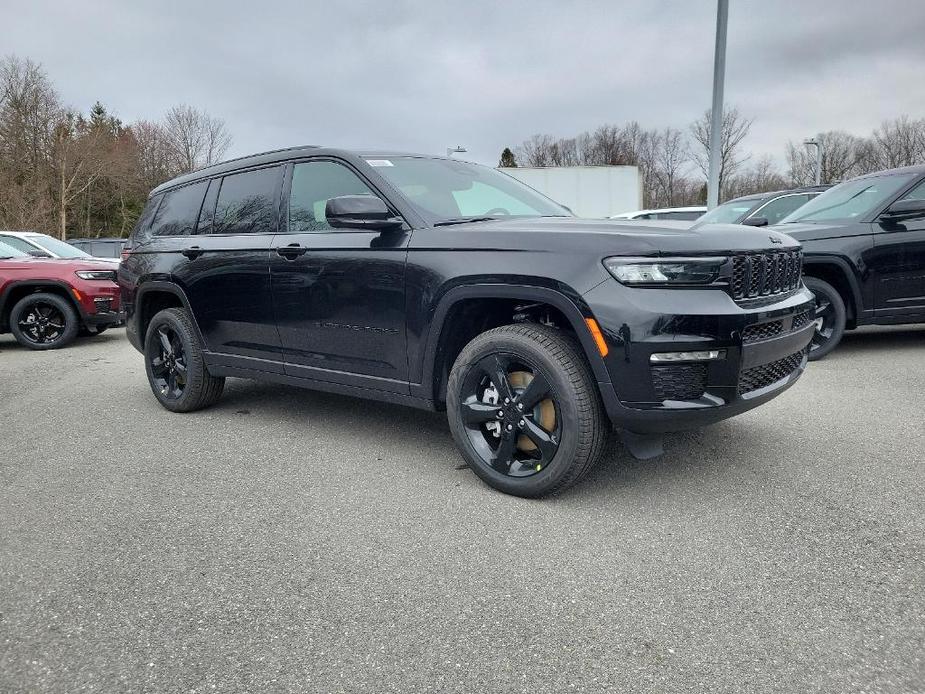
point(291, 540)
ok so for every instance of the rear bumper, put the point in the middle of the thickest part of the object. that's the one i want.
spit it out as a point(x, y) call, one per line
point(762, 346)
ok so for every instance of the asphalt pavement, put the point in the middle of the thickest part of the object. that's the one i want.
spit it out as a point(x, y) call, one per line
point(286, 540)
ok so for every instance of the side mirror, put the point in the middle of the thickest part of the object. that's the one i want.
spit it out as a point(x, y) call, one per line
point(904, 209)
point(756, 222)
point(360, 212)
point(36, 253)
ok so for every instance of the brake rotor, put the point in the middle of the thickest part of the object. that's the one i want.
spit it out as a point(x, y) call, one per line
point(544, 413)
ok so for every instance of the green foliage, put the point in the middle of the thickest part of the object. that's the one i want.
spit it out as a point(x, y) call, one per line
point(507, 159)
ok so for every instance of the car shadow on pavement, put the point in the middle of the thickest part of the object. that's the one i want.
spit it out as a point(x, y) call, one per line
point(395, 428)
point(881, 338)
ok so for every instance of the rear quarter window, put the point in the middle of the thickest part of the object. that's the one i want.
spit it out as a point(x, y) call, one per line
point(179, 210)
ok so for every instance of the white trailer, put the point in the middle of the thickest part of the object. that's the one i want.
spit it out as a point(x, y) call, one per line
point(588, 191)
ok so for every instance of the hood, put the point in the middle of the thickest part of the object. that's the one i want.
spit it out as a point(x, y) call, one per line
point(621, 237)
point(806, 231)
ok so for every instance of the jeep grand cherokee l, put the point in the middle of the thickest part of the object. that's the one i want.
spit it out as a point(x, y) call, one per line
point(440, 284)
point(864, 241)
point(46, 303)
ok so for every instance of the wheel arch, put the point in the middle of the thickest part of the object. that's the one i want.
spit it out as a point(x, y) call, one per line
point(838, 273)
point(154, 296)
point(441, 348)
point(15, 291)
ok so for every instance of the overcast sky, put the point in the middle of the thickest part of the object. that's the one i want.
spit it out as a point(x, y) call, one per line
point(425, 75)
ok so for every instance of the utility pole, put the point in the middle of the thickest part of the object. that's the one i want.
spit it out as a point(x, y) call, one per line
point(817, 143)
point(716, 124)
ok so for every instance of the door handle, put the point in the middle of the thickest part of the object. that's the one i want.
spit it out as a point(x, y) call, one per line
point(292, 251)
point(192, 252)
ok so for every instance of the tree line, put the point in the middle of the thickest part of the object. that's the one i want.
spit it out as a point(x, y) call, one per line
point(73, 174)
point(673, 163)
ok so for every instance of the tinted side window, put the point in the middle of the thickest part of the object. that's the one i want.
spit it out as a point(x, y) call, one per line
point(687, 216)
point(313, 184)
point(777, 209)
point(917, 193)
point(178, 212)
point(248, 203)
point(147, 214)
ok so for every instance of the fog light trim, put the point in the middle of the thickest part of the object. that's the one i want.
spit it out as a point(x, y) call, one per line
point(700, 355)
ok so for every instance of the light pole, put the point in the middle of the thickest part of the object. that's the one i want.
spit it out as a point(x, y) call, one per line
point(716, 120)
point(817, 143)
point(450, 151)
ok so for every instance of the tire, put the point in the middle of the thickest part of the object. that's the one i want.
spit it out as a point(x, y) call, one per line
point(174, 363)
point(540, 449)
point(44, 321)
point(830, 316)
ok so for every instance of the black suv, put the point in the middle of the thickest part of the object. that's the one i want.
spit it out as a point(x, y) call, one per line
point(864, 242)
point(436, 283)
point(761, 209)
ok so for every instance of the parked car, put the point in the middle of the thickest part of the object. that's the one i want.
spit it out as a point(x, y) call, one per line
point(864, 244)
point(761, 209)
point(46, 303)
point(440, 284)
point(43, 245)
point(102, 247)
point(671, 213)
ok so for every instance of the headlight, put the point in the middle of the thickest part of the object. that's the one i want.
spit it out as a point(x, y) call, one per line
point(664, 271)
point(97, 275)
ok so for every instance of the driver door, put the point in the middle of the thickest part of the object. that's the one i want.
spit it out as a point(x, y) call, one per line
point(338, 294)
point(898, 262)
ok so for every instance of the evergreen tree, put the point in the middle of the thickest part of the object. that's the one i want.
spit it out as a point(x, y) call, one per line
point(507, 158)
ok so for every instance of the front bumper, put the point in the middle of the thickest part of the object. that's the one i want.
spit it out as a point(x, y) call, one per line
point(763, 346)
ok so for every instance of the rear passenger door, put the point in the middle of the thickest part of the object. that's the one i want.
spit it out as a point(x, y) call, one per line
point(339, 294)
point(225, 270)
point(898, 262)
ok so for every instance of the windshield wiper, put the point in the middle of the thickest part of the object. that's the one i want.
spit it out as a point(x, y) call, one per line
point(462, 220)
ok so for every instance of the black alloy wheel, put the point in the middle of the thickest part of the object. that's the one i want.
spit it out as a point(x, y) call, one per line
point(168, 364)
point(828, 316)
point(510, 415)
point(43, 321)
point(524, 409)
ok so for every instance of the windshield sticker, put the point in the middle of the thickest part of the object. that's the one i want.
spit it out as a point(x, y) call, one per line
point(379, 162)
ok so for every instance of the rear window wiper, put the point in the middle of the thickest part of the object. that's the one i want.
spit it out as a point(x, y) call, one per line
point(462, 220)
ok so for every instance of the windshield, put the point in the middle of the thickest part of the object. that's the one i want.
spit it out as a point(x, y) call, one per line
point(7, 251)
point(849, 200)
point(728, 212)
point(57, 247)
point(443, 190)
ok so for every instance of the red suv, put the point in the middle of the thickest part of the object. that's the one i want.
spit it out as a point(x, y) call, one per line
point(45, 303)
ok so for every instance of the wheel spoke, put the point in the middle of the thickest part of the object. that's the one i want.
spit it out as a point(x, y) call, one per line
point(180, 366)
point(501, 460)
point(165, 341)
point(475, 412)
point(158, 366)
point(822, 306)
point(535, 391)
point(496, 369)
point(543, 440)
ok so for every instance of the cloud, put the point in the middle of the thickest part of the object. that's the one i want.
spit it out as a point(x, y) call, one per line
point(483, 74)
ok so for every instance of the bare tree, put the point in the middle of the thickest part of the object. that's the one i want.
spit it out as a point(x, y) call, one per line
point(195, 139)
point(671, 158)
point(735, 128)
point(899, 142)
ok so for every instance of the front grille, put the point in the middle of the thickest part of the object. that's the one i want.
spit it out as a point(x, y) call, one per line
point(762, 331)
point(679, 381)
point(756, 275)
point(801, 319)
point(766, 374)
